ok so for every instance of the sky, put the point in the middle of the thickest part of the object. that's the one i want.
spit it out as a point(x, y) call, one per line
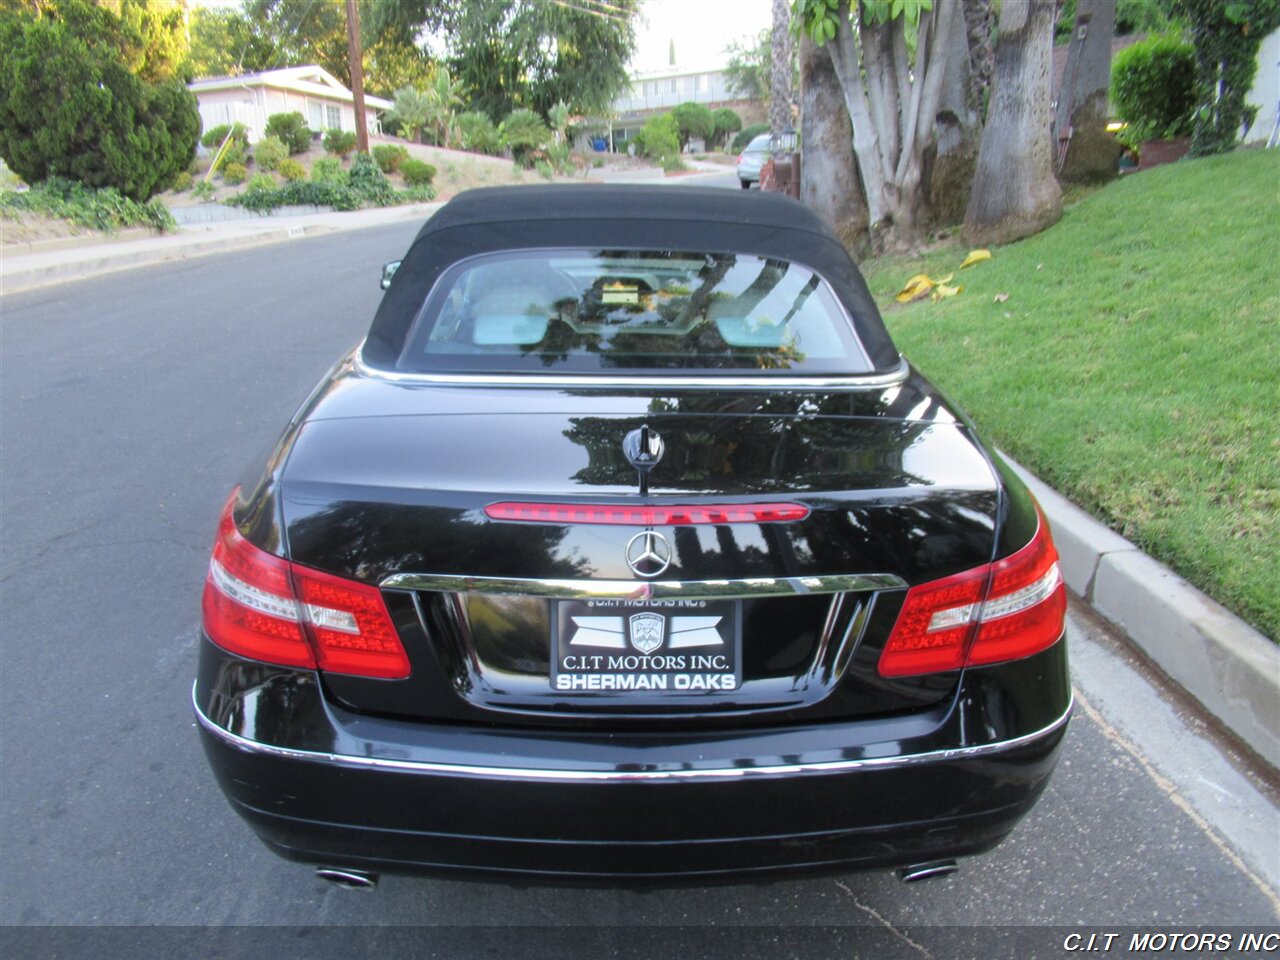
point(701, 30)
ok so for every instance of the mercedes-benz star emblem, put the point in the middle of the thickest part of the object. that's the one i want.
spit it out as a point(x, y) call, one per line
point(648, 554)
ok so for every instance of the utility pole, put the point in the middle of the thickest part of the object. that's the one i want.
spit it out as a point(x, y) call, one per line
point(357, 75)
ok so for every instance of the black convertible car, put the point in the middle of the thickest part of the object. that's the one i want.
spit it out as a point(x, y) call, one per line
point(627, 545)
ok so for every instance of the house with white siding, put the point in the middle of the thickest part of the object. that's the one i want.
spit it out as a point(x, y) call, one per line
point(311, 91)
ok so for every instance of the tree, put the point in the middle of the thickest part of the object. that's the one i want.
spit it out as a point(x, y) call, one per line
point(829, 177)
point(693, 121)
point(957, 132)
point(524, 53)
point(1014, 191)
point(780, 60)
point(1226, 35)
point(303, 32)
point(1082, 113)
point(891, 96)
point(522, 132)
point(103, 128)
point(224, 42)
point(726, 122)
point(748, 69)
point(147, 39)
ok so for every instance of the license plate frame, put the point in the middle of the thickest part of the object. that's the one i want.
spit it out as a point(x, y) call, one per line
point(635, 648)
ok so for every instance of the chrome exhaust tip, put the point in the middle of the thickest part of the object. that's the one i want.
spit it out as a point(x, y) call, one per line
point(926, 871)
point(348, 879)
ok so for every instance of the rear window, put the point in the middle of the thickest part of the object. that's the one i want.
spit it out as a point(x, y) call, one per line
point(634, 312)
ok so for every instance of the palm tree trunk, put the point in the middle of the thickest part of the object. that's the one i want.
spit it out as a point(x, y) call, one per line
point(1015, 193)
point(829, 175)
point(780, 72)
point(1092, 154)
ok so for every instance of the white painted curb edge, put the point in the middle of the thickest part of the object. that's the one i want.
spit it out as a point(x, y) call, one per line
point(1232, 669)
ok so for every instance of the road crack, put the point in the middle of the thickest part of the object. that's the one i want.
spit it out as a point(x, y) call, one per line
point(875, 915)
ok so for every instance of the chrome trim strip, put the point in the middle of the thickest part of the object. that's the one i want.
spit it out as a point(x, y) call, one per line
point(868, 381)
point(646, 590)
point(527, 773)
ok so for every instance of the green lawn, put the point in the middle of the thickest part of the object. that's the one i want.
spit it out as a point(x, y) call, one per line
point(1135, 366)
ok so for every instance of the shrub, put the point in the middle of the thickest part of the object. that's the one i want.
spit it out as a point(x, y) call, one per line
point(234, 173)
point(370, 182)
point(416, 173)
point(747, 135)
point(389, 156)
point(340, 142)
point(335, 195)
point(1153, 89)
point(693, 120)
point(328, 170)
point(659, 139)
point(478, 133)
point(214, 136)
point(260, 182)
point(726, 122)
point(236, 152)
point(544, 169)
point(269, 153)
point(182, 182)
point(291, 130)
point(292, 170)
point(105, 209)
point(73, 111)
point(203, 190)
point(523, 132)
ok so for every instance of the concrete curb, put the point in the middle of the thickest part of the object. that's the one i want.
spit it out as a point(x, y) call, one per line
point(24, 247)
point(109, 260)
point(1232, 669)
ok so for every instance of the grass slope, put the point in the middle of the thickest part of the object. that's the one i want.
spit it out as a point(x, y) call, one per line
point(1135, 365)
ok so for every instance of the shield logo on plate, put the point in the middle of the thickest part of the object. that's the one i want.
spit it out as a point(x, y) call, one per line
point(646, 631)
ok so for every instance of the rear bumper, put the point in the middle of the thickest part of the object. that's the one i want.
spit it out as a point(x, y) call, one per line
point(321, 786)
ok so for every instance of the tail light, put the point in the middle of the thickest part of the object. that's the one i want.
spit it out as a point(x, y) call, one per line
point(1000, 611)
point(263, 607)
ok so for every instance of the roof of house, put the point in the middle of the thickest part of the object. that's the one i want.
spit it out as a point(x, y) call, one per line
point(311, 79)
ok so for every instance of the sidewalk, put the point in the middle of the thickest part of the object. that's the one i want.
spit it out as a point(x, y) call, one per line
point(45, 264)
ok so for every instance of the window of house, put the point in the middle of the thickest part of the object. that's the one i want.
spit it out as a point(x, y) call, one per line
point(333, 117)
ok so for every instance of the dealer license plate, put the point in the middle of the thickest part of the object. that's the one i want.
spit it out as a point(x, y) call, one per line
point(645, 646)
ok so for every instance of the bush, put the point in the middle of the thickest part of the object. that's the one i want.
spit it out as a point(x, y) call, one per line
point(370, 182)
point(1153, 89)
point(182, 182)
point(340, 142)
point(203, 190)
point(328, 170)
point(726, 122)
point(693, 120)
point(261, 182)
point(523, 132)
point(291, 130)
point(389, 156)
point(478, 133)
point(105, 209)
point(269, 153)
point(416, 173)
point(335, 195)
point(292, 170)
point(234, 173)
point(659, 139)
point(746, 136)
point(214, 136)
point(236, 152)
point(72, 111)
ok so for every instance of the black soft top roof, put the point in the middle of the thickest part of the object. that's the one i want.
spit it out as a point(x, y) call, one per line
point(692, 219)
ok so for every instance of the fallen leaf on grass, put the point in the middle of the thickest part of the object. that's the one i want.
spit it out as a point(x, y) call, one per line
point(1000, 298)
point(916, 288)
point(975, 256)
point(942, 290)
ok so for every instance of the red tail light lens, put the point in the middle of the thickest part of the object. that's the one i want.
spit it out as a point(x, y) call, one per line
point(647, 516)
point(997, 612)
point(260, 606)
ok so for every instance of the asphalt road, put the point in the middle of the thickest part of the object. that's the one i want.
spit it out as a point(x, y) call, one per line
point(128, 406)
